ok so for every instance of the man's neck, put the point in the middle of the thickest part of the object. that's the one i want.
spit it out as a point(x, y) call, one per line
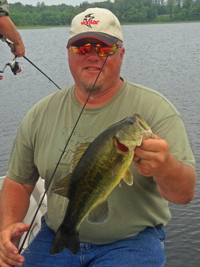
point(99, 99)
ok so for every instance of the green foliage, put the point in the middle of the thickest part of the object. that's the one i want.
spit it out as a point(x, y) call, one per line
point(163, 18)
point(127, 11)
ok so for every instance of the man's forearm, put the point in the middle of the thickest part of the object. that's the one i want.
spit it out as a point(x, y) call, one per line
point(177, 184)
point(8, 29)
point(14, 202)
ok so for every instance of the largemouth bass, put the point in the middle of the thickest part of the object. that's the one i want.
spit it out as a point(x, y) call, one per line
point(98, 168)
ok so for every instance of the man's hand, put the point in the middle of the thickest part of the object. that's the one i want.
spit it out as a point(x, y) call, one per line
point(176, 180)
point(9, 254)
point(18, 49)
point(155, 155)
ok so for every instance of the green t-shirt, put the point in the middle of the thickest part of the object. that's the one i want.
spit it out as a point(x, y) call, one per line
point(45, 131)
point(4, 8)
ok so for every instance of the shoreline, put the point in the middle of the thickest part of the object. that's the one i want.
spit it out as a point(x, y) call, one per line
point(136, 23)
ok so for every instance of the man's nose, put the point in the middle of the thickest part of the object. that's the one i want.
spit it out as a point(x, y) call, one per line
point(93, 52)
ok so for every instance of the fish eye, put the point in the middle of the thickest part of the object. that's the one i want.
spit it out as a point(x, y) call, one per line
point(130, 121)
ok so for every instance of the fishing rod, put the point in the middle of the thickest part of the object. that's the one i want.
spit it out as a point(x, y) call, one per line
point(41, 71)
point(15, 65)
point(48, 185)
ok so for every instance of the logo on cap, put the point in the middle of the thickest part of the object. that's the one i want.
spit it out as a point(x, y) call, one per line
point(88, 20)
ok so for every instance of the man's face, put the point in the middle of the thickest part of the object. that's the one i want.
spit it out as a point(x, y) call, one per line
point(85, 69)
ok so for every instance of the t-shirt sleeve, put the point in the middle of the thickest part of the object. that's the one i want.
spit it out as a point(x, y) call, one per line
point(21, 167)
point(4, 8)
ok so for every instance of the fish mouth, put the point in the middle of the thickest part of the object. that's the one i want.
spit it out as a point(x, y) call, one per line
point(122, 147)
point(142, 124)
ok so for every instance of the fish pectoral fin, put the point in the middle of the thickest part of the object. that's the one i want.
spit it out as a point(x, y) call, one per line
point(128, 177)
point(116, 168)
point(62, 187)
point(99, 214)
point(80, 150)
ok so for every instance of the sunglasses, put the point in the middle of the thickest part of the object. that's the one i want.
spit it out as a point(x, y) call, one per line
point(101, 50)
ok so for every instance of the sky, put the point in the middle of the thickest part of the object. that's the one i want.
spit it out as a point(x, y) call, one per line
point(53, 2)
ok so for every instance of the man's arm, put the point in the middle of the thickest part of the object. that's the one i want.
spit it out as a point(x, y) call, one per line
point(176, 180)
point(8, 29)
point(14, 204)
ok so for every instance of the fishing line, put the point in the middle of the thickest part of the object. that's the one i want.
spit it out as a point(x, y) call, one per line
point(48, 185)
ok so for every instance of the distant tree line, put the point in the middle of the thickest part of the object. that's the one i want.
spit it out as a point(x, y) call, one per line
point(127, 11)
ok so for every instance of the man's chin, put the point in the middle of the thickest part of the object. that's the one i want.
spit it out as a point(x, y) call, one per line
point(88, 87)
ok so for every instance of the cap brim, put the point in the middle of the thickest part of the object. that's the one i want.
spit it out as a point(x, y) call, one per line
point(94, 35)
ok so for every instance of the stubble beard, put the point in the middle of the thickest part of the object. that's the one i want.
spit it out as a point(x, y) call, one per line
point(88, 87)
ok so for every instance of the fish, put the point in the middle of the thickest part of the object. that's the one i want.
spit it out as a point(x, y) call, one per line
point(98, 167)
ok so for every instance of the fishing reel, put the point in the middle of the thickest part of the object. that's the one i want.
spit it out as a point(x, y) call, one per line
point(14, 65)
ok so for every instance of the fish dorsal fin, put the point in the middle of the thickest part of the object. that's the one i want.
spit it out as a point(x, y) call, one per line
point(80, 150)
point(62, 187)
point(128, 177)
point(99, 214)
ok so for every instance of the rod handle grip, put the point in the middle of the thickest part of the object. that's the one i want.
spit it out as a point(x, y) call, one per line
point(12, 46)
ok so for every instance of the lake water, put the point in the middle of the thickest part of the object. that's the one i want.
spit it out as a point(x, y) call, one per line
point(164, 57)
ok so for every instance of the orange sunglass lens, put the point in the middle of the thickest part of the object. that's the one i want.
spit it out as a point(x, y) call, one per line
point(83, 50)
point(103, 51)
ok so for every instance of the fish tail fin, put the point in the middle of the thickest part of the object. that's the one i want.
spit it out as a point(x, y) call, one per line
point(65, 238)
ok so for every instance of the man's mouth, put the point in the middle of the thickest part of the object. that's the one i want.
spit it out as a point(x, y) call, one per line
point(92, 68)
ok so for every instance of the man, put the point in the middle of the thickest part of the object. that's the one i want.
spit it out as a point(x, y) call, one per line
point(163, 167)
point(8, 29)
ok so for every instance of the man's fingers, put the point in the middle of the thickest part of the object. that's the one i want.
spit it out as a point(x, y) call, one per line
point(8, 257)
point(9, 254)
point(156, 137)
point(2, 264)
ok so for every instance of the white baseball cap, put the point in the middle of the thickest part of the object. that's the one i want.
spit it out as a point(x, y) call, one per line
point(97, 23)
